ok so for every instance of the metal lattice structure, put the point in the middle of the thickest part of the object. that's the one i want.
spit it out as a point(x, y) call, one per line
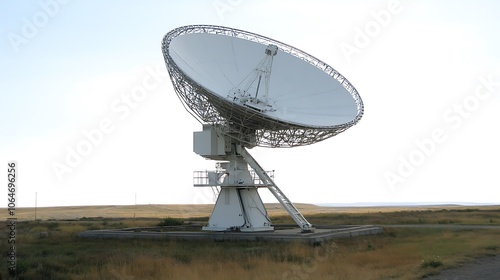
point(247, 126)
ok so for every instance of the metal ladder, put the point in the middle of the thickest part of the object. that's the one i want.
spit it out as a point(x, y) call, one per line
point(280, 196)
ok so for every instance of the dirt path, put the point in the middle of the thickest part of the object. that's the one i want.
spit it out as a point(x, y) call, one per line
point(483, 268)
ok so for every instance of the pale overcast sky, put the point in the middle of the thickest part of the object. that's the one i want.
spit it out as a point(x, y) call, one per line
point(427, 71)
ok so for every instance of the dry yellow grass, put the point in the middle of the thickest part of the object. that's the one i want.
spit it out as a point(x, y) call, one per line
point(299, 262)
point(51, 249)
point(189, 211)
point(391, 256)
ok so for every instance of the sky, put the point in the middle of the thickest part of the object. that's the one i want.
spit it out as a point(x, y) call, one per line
point(89, 114)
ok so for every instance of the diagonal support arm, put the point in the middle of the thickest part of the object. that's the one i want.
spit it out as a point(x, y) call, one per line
point(280, 196)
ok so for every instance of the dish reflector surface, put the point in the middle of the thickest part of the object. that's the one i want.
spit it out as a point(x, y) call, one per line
point(207, 64)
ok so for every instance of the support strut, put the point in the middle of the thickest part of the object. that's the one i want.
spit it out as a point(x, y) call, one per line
point(280, 196)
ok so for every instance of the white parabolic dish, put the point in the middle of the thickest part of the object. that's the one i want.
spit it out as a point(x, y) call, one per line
point(307, 95)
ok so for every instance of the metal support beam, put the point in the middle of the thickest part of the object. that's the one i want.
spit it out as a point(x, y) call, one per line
point(280, 196)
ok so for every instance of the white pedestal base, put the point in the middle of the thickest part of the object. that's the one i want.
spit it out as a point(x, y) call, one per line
point(239, 209)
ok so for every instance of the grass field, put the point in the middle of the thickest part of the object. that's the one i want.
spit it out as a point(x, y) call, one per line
point(51, 249)
point(199, 210)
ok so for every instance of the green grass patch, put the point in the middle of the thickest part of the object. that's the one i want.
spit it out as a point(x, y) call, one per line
point(168, 221)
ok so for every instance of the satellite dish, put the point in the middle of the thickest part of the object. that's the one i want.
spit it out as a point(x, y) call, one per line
point(249, 90)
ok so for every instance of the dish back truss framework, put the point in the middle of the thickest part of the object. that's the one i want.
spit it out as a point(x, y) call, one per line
point(241, 123)
point(230, 127)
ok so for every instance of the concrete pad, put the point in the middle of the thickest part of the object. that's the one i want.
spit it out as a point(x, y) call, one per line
point(287, 234)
